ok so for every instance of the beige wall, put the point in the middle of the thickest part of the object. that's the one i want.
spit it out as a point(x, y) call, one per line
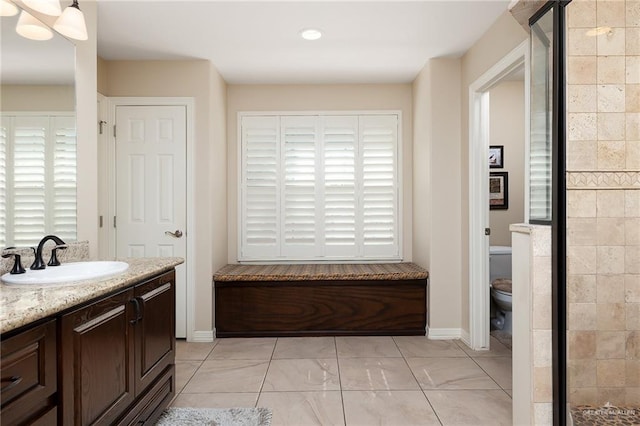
point(503, 36)
point(507, 129)
point(603, 203)
point(86, 115)
point(200, 80)
point(318, 98)
point(437, 190)
point(38, 98)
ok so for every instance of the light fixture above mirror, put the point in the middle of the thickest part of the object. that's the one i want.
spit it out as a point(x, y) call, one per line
point(70, 22)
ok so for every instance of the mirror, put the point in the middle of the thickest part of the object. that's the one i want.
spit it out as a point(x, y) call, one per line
point(37, 138)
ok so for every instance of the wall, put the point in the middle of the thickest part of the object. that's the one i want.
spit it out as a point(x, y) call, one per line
point(437, 206)
point(503, 36)
point(603, 203)
point(507, 129)
point(38, 98)
point(317, 98)
point(200, 80)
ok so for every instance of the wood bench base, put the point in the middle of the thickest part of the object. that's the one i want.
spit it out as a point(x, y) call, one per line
point(320, 308)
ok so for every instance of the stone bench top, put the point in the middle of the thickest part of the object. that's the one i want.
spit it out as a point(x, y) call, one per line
point(322, 272)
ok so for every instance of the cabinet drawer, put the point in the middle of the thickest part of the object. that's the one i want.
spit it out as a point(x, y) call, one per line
point(29, 378)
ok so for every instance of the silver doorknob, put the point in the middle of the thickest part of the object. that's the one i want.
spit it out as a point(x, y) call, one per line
point(176, 234)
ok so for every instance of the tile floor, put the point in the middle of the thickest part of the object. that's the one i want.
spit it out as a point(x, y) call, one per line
point(349, 380)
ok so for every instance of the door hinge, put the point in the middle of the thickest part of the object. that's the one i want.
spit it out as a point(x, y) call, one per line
point(487, 231)
point(114, 221)
point(101, 222)
point(114, 130)
point(101, 123)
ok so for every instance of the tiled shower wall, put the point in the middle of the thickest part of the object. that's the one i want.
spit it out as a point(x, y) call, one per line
point(603, 202)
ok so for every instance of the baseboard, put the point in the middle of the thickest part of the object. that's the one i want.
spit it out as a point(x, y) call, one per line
point(466, 338)
point(202, 336)
point(444, 333)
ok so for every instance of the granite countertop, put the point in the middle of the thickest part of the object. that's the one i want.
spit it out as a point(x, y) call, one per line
point(22, 304)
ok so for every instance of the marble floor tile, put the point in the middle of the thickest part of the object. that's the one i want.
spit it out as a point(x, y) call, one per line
point(422, 347)
point(302, 375)
point(228, 375)
point(255, 348)
point(499, 368)
point(305, 347)
point(450, 373)
point(495, 349)
point(216, 400)
point(366, 347)
point(184, 372)
point(190, 351)
point(471, 407)
point(303, 408)
point(376, 374)
point(393, 408)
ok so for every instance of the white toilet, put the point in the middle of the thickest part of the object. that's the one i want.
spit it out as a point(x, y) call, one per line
point(500, 282)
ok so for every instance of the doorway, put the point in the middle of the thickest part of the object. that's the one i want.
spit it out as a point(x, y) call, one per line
point(149, 191)
point(479, 224)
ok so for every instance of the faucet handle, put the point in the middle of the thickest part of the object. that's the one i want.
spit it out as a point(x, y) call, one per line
point(17, 264)
point(53, 261)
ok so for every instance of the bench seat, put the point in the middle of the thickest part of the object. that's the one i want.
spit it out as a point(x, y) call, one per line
point(320, 299)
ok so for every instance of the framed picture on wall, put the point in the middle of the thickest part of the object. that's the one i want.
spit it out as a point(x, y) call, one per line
point(498, 191)
point(496, 156)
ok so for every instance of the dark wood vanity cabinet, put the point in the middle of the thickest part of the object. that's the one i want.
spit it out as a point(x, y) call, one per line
point(117, 356)
point(29, 376)
point(109, 361)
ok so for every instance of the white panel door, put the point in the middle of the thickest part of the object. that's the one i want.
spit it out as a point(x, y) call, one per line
point(151, 200)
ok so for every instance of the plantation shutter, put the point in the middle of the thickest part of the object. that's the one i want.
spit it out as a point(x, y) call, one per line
point(319, 187)
point(38, 176)
point(29, 197)
point(260, 183)
point(298, 186)
point(378, 137)
point(340, 143)
point(64, 178)
point(4, 130)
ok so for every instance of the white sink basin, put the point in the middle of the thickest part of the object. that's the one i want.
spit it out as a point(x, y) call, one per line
point(67, 272)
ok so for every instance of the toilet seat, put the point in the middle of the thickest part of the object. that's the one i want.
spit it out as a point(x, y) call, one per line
point(502, 285)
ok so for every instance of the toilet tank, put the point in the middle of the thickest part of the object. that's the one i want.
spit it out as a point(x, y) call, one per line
point(499, 262)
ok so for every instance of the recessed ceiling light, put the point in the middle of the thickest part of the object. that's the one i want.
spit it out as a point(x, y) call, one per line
point(311, 34)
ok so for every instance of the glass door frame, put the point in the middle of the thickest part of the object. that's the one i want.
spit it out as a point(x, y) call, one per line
point(558, 209)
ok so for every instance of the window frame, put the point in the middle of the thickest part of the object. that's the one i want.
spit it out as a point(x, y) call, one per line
point(399, 179)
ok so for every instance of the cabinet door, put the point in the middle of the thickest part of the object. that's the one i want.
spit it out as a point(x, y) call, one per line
point(29, 378)
point(155, 328)
point(97, 361)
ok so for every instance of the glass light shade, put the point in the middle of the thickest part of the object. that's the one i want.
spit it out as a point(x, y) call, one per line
point(311, 34)
point(31, 28)
point(7, 8)
point(48, 7)
point(71, 23)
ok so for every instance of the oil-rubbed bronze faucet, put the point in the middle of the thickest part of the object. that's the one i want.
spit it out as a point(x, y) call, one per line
point(38, 263)
point(17, 264)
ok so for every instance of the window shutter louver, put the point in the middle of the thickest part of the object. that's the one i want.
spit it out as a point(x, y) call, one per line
point(64, 178)
point(38, 174)
point(3, 182)
point(339, 135)
point(299, 221)
point(319, 187)
point(261, 152)
point(29, 197)
point(379, 203)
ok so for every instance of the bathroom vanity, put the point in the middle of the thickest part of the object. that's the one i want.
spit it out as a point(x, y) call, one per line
point(90, 352)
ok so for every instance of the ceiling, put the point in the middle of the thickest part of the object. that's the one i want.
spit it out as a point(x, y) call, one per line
point(252, 42)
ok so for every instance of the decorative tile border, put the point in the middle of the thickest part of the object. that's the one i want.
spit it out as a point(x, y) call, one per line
point(603, 180)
